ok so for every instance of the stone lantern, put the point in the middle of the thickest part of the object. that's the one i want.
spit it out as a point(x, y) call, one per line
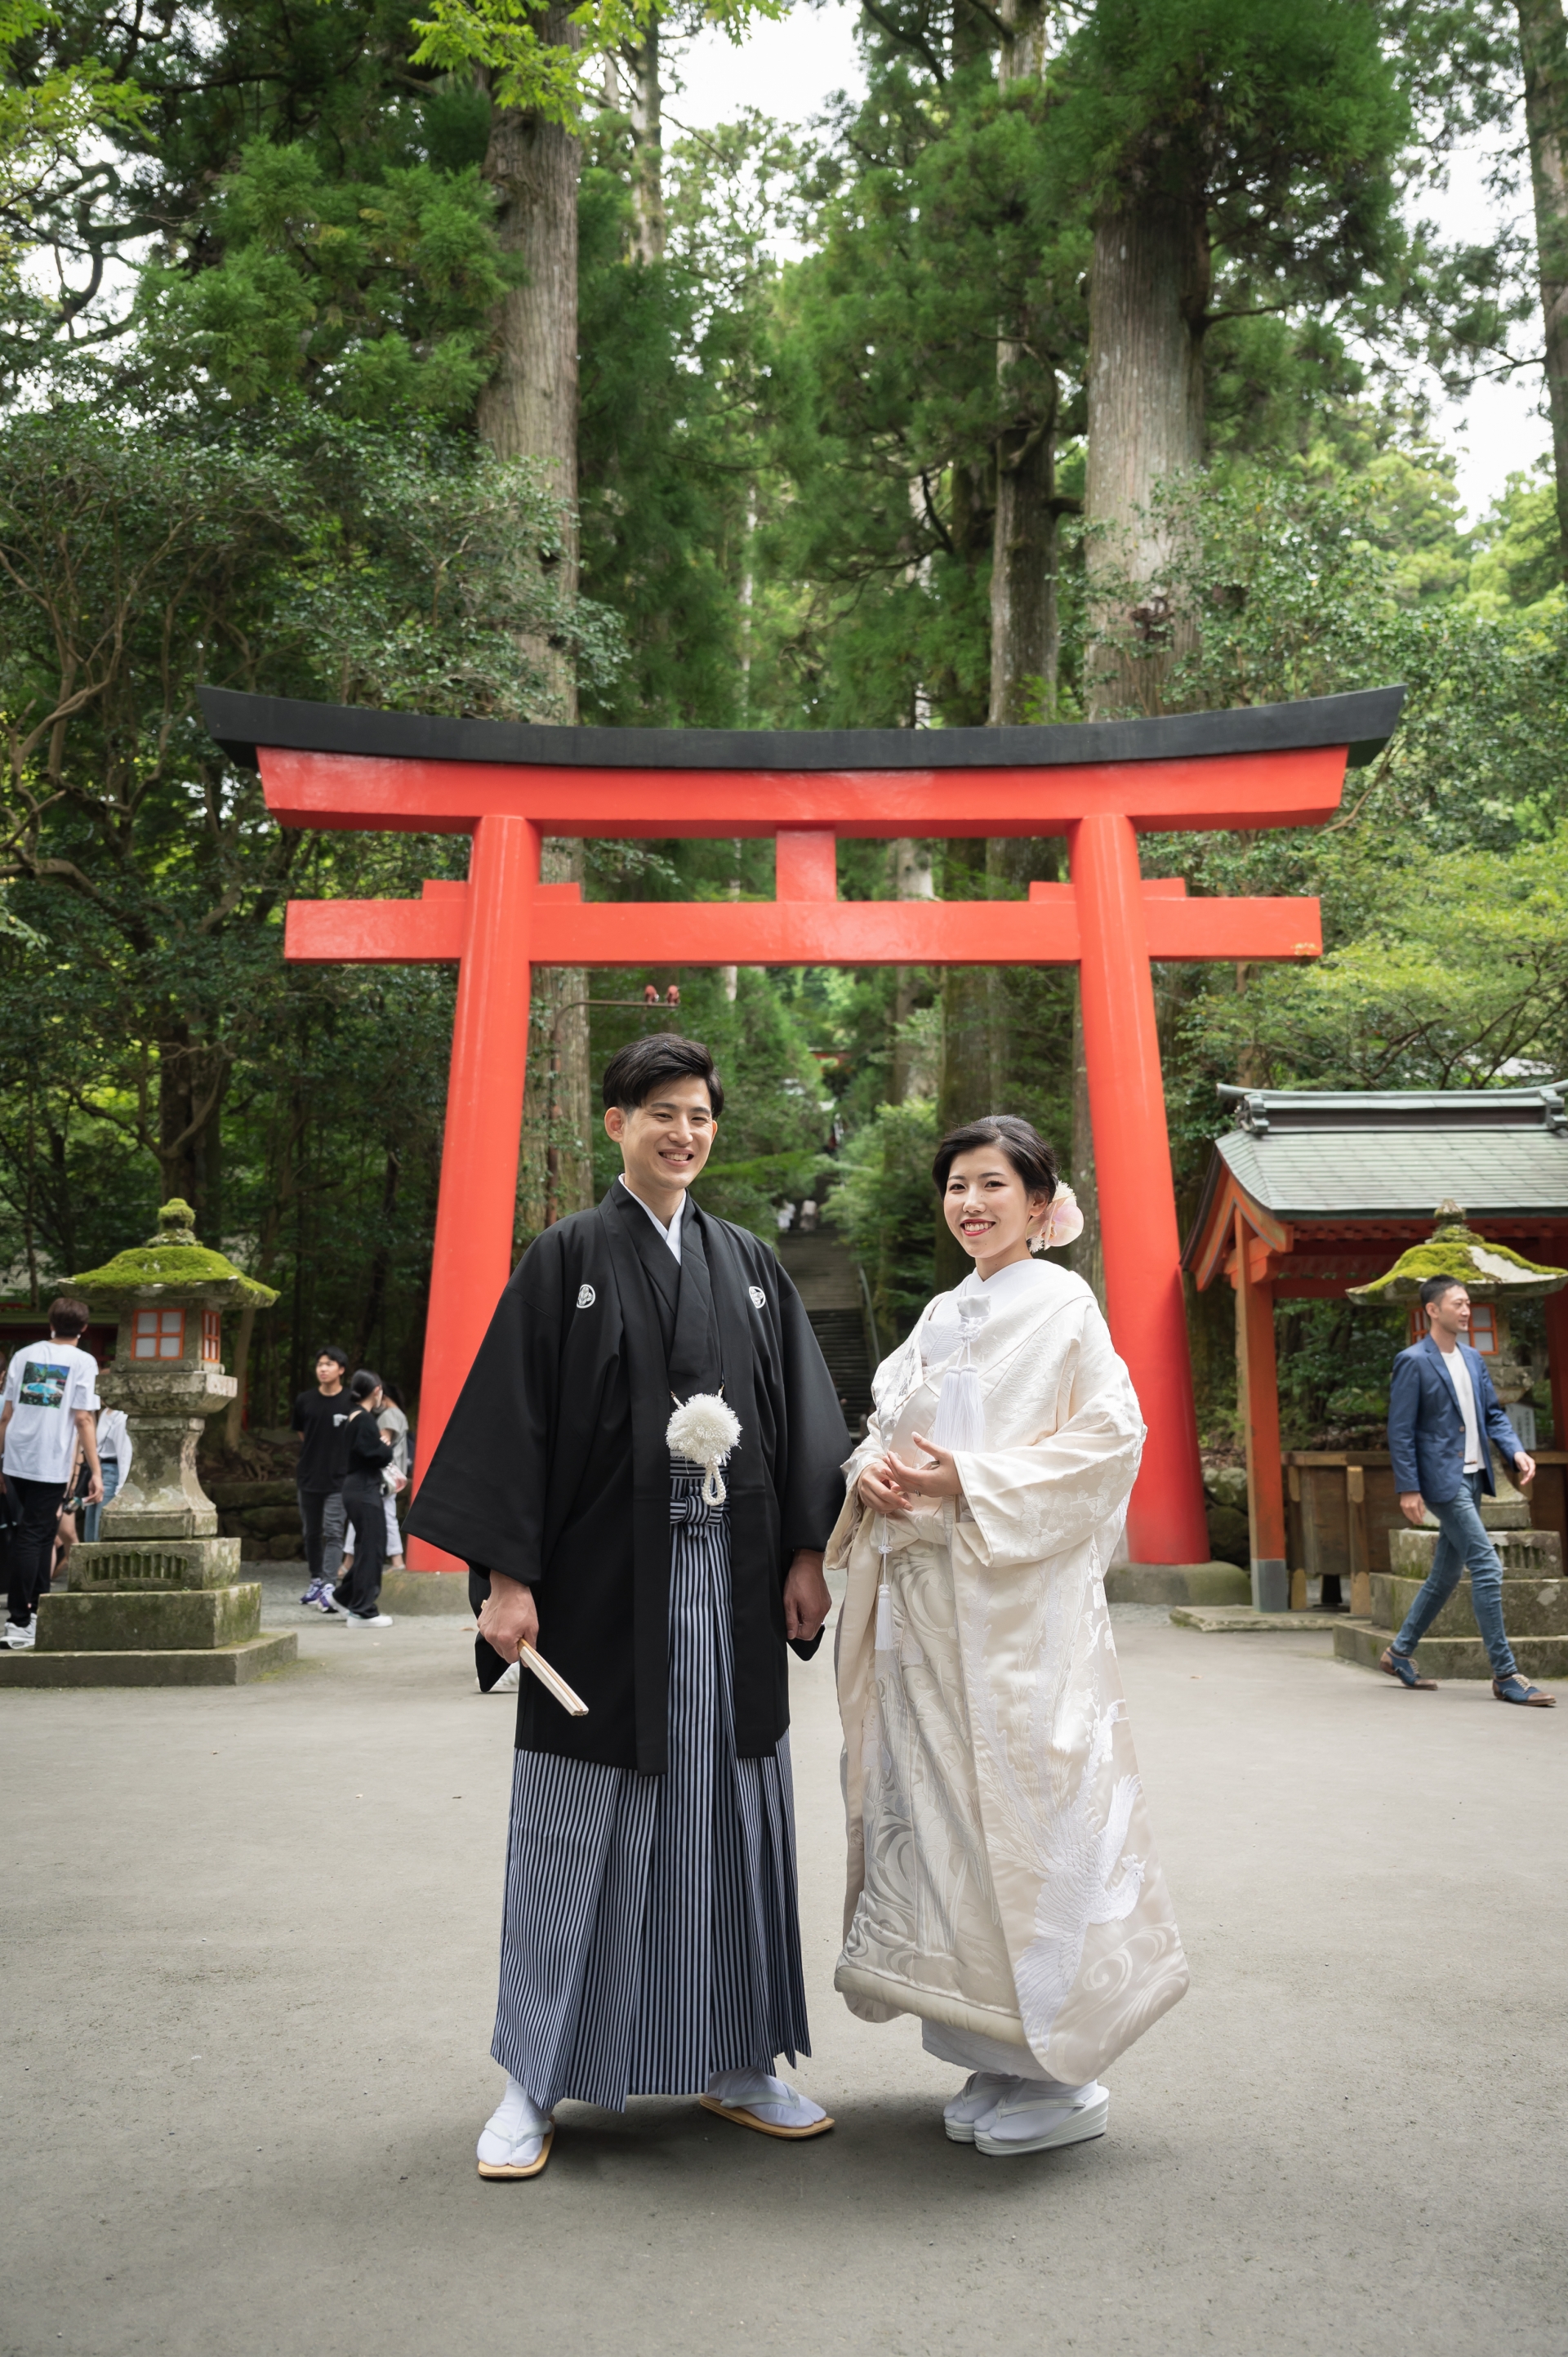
point(159, 1599)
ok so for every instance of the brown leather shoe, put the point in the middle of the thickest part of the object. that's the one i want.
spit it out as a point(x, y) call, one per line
point(1517, 1688)
point(1400, 1665)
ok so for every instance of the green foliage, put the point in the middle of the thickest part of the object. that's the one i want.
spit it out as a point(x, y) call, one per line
point(885, 1208)
point(543, 60)
point(374, 294)
point(1278, 120)
point(49, 120)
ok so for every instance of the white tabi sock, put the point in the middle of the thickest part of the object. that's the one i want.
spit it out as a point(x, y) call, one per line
point(771, 2099)
point(514, 2133)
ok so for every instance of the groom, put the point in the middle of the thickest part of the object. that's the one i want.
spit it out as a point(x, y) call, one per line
point(651, 1943)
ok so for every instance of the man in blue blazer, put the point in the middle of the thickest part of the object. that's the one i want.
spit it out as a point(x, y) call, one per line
point(1443, 1412)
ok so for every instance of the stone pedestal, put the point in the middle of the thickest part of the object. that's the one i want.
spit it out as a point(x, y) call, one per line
point(159, 1599)
point(1535, 1606)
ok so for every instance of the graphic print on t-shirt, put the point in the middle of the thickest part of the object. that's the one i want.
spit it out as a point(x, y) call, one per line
point(43, 1384)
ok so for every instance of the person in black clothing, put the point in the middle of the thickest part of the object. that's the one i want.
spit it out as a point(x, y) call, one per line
point(321, 1420)
point(359, 1597)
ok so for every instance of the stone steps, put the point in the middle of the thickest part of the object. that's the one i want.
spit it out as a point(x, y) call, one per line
point(204, 1665)
point(1454, 1657)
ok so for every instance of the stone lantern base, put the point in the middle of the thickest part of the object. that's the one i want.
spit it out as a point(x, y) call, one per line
point(152, 1612)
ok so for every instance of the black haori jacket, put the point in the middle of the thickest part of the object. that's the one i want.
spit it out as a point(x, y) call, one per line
point(554, 1469)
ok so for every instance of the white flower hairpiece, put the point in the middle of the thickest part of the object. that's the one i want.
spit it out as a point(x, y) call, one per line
point(1064, 1222)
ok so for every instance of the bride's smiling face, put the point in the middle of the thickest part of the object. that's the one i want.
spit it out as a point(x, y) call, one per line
point(989, 1209)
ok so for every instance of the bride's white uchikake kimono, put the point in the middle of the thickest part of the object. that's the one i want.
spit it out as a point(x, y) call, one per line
point(1001, 1878)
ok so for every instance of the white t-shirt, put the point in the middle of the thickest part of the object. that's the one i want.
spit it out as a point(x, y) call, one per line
point(46, 1384)
point(114, 1440)
point(1465, 1393)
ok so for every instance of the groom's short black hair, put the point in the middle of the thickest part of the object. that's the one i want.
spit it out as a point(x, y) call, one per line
point(634, 1073)
point(1435, 1287)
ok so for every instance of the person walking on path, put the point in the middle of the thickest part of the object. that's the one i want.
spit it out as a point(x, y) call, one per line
point(49, 1407)
point(357, 1596)
point(1443, 1412)
point(651, 1940)
point(321, 1420)
point(1002, 1886)
point(392, 1426)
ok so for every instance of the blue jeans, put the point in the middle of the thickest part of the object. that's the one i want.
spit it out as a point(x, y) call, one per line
point(1462, 1538)
point(91, 1516)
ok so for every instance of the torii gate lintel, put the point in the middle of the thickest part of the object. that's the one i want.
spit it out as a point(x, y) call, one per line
point(1098, 785)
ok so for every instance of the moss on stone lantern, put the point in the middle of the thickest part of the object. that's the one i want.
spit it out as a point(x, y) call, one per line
point(1488, 1272)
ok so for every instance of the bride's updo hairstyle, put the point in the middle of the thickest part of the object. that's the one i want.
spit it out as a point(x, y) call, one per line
point(1022, 1144)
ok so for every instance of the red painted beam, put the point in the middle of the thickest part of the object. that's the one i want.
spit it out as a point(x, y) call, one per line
point(801, 931)
point(376, 793)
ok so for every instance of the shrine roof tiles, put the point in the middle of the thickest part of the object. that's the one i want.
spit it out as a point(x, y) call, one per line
point(1342, 1173)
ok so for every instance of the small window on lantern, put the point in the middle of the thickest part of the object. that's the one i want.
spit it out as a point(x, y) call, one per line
point(1484, 1328)
point(158, 1334)
point(211, 1337)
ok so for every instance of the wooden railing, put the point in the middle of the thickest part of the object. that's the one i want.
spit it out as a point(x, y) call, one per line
point(1340, 1505)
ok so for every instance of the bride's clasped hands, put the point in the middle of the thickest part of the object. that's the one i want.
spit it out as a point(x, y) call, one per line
point(891, 1487)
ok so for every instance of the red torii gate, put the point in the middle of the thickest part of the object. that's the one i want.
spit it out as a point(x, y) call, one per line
point(508, 785)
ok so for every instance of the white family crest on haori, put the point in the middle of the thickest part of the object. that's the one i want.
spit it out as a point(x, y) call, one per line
point(704, 1428)
point(758, 1298)
point(586, 1297)
point(1001, 1876)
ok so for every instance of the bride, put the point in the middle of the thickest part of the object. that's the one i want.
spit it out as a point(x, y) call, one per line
point(1002, 1879)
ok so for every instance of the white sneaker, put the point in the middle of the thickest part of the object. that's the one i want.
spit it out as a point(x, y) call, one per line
point(1034, 2121)
point(976, 2102)
point(22, 1641)
point(368, 1620)
point(755, 2099)
point(517, 2136)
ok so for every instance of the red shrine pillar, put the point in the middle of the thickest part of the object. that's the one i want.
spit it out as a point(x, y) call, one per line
point(1165, 1521)
point(1260, 1403)
point(475, 1212)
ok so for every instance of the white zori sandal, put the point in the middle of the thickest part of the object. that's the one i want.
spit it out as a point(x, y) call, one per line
point(517, 2136)
point(752, 2099)
point(1036, 2115)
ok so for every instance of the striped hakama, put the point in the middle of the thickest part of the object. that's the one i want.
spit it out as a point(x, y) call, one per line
point(651, 1935)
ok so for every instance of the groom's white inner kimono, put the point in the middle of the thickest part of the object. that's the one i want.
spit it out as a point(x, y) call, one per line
point(1001, 1878)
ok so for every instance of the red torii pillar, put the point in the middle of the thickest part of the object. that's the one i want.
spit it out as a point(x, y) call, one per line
point(508, 786)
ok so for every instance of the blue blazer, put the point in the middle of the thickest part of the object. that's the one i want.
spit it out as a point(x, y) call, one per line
point(1426, 1431)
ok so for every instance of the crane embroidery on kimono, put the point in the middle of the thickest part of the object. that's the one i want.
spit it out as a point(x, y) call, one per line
point(1080, 1886)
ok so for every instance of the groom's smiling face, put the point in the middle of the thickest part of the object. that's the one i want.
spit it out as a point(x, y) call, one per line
point(665, 1141)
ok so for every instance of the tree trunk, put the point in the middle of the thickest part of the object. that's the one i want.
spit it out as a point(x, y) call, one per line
point(1148, 289)
point(191, 1082)
point(1024, 634)
point(528, 410)
point(910, 863)
point(1086, 1257)
point(646, 147)
point(1544, 53)
point(280, 1194)
point(1023, 629)
point(970, 1080)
